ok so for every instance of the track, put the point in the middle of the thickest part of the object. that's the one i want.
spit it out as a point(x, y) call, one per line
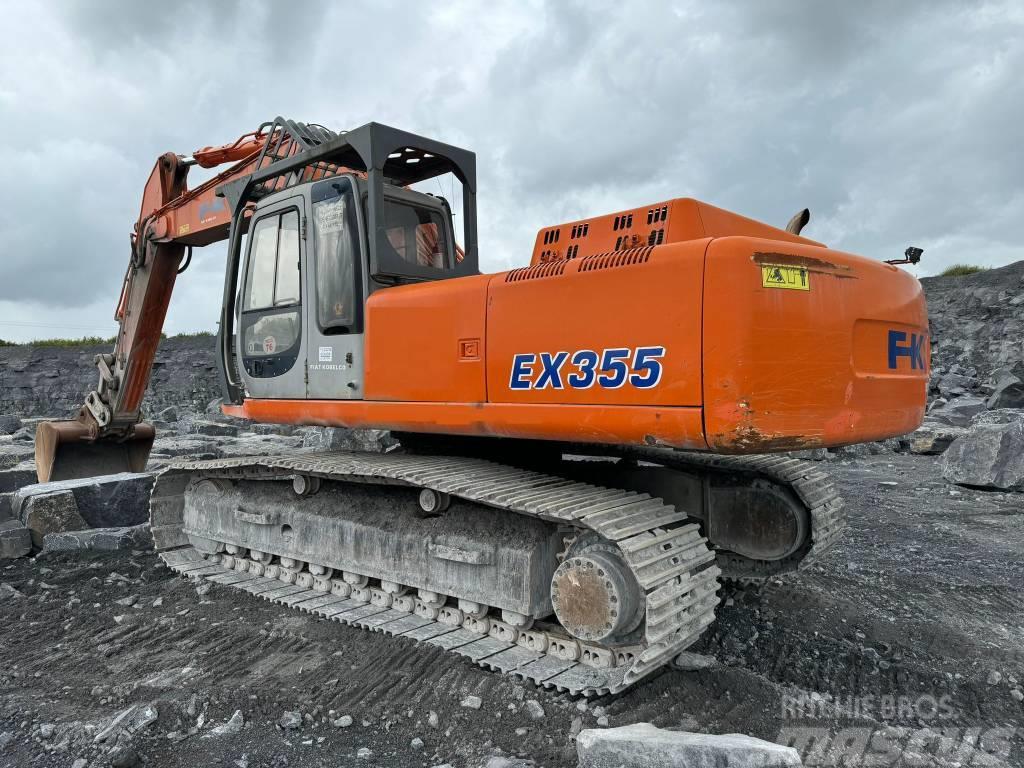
point(667, 555)
point(813, 488)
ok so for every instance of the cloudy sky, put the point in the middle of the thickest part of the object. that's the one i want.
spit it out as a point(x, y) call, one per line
point(896, 123)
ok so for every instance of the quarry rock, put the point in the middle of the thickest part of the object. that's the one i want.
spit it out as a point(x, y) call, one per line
point(259, 445)
point(339, 438)
point(932, 437)
point(1008, 391)
point(643, 745)
point(100, 539)
point(990, 455)
point(102, 502)
point(17, 477)
point(192, 447)
point(49, 513)
point(169, 414)
point(212, 428)
point(953, 384)
point(974, 322)
point(15, 540)
point(9, 424)
point(52, 380)
point(12, 454)
point(959, 411)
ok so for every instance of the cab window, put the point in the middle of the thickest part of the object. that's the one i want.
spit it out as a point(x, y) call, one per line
point(417, 234)
point(273, 279)
point(337, 252)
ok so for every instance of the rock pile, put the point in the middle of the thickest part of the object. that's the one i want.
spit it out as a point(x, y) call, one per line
point(976, 327)
point(52, 380)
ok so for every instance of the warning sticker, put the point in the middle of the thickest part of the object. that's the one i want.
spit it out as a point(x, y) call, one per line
point(781, 276)
point(326, 354)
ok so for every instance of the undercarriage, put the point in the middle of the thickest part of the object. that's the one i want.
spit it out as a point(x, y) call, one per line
point(585, 577)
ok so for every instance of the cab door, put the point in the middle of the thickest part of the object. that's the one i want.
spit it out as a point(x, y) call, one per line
point(271, 344)
point(334, 281)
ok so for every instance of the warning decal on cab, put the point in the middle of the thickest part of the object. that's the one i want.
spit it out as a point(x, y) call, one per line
point(781, 276)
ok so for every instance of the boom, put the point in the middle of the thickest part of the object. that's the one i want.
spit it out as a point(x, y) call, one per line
point(172, 219)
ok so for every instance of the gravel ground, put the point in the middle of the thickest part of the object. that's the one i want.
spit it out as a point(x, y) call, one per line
point(908, 638)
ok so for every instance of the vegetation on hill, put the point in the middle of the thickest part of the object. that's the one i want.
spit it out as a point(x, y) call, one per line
point(959, 270)
point(95, 340)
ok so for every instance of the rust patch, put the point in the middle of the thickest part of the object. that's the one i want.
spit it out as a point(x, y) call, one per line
point(749, 439)
point(811, 264)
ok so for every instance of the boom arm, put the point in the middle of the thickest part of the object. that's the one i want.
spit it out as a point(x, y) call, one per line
point(172, 219)
point(108, 434)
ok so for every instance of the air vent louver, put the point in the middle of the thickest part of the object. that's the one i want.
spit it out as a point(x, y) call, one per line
point(612, 260)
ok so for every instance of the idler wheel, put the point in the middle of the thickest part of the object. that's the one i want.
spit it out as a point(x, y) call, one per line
point(595, 596)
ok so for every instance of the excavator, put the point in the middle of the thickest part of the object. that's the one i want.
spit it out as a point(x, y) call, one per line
point(587, 445)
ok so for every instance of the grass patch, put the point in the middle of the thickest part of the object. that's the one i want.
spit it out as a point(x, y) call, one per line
point(959, 270)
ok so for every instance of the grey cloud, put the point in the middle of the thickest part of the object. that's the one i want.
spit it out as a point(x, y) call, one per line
point(896, 123)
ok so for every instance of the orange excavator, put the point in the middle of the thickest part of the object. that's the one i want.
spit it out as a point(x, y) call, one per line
point(588, 445)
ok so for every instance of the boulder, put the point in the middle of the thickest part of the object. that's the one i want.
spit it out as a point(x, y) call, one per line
point(15, 540)
point(9, 424)
point(167, 415)
point(186, 446)
point(212, 428)
point(12, 454)
point(643, 745)
point(102, 502)
point(990, 455)
point(259, 445)
point(286, 430)
point(99, 539)
point(959, 411)
point(1008, 391)
point(49, 513)
point(931, 438)
point(342, 439)
point(953, 384)
point(17, 477)
point(811, 454)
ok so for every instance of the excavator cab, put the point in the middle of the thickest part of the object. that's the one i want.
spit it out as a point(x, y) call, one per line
point(327, 228)
point(306, 273)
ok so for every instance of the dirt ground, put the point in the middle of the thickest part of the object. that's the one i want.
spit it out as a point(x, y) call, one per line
point(904, 646)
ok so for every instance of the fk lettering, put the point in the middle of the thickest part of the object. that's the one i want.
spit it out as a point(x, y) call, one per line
point(900, 347)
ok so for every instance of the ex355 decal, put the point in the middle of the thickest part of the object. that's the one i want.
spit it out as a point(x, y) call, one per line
point(611, 368)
